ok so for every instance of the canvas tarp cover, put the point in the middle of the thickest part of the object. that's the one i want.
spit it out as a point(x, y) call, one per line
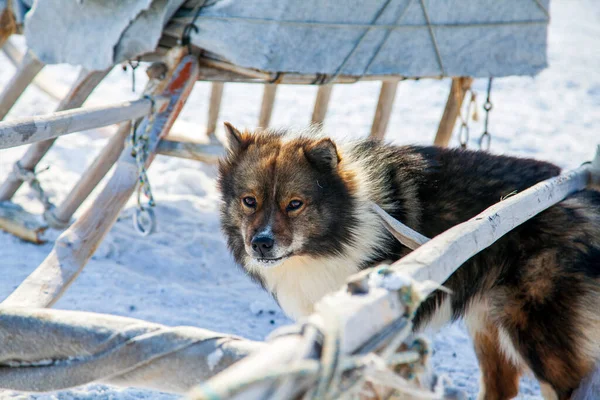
point(411, 38)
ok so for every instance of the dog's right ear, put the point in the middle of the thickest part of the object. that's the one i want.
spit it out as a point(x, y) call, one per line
point(236, 140)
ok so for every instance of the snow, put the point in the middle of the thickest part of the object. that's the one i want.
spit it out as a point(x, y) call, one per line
point(183, 274)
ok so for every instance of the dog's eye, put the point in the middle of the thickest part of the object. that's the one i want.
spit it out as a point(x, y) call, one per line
point(294, 205)
point(249, 201)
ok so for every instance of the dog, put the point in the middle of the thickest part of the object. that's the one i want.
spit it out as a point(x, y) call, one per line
point(296, 215)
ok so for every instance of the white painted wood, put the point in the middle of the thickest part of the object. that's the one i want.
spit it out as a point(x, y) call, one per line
point(441, 256)
point(44, 286)
point(29, 67)
point(28, 130)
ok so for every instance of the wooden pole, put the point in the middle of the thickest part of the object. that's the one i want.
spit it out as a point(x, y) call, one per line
point(43, 127)
point(61, 215)
point(83, 87)
point(208, 153)
point(321, 104)
point(216, 94)
point(225, 72)
point(266, 108)
point(27, 70)
point(387, 94)
point(76, 245)
point(458, 89)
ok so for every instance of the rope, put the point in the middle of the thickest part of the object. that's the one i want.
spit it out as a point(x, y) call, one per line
point(341, 25)
point(541, 7)
point(385, 38)
point(338, 71)
point(435, 45)
point(26, 175)
point(187, 30)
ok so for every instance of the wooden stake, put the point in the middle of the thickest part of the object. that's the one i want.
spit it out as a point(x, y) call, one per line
point(80, 91)
point(216, 94)
point(27, 70)
point(387, 95)
point(266, 108)
point(76, 245)
point(458, 89)
point(90, 178)
point(321, 104)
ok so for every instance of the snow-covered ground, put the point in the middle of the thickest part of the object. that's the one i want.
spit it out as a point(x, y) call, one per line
point(183, 274)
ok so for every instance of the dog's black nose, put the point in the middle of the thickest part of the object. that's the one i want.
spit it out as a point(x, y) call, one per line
point(262, 244)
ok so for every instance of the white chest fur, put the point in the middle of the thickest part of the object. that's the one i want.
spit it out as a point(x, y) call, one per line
point(301, 281)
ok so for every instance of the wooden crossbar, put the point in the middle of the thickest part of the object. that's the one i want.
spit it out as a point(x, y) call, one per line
point(28, 130)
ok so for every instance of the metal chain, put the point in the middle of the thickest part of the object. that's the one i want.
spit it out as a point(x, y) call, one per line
point(29, 176)
point(144, 220)
point(486, 138)
point(463, 132)
point(133, 68)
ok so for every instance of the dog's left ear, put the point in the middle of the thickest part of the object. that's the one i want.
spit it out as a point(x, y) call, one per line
point(236, 140)
point(323, 154)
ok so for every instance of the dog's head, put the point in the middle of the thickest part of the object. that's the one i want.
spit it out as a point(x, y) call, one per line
point(283, 197)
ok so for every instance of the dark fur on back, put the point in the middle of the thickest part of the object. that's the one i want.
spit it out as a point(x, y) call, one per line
point(538, 286)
